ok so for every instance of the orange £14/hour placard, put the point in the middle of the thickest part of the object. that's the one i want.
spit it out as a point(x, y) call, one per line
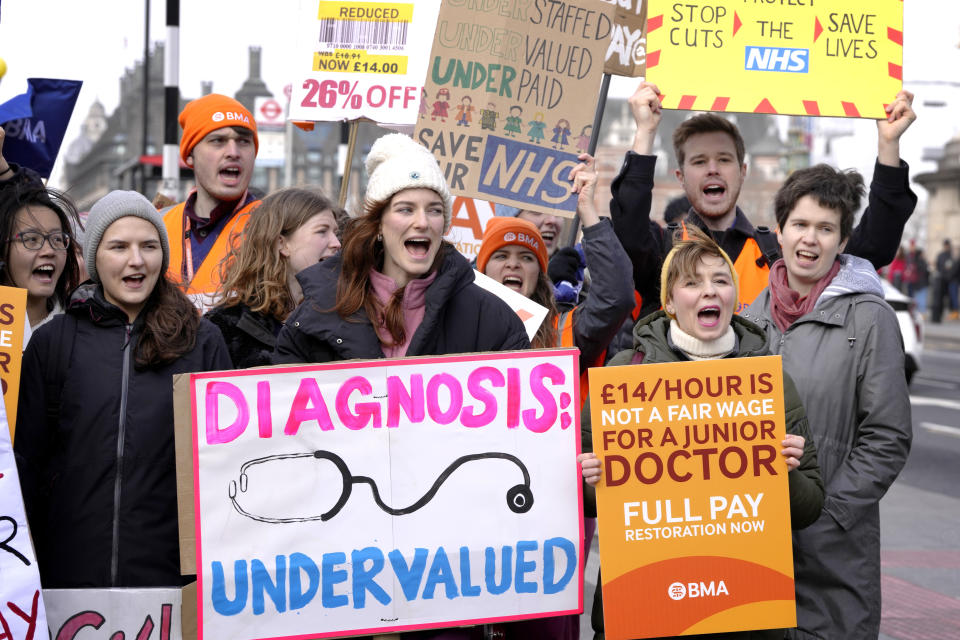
point(693, 502)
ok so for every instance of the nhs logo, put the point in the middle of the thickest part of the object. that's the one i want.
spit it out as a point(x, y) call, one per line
point(777, 59)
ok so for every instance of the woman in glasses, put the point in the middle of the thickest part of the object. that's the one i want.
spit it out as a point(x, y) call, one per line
point(38, 254)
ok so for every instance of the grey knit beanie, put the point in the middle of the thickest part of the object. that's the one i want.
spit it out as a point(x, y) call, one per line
point(395, 163)
point(109, 209)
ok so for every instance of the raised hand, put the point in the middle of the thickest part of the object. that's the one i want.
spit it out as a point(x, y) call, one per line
point(646, 108)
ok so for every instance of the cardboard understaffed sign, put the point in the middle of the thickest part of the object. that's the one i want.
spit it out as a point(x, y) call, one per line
point(144, 614)
point(22, 613)
point(693, 503)
point(823, 58)
point(13, 315)
point(368, 497)
point(511, 91)
point(359, 59)
point(626, 51)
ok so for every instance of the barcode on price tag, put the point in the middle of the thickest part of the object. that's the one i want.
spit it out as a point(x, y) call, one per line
point(363, 25)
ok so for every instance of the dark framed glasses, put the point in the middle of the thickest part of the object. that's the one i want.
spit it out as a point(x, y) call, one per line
point(33, 240)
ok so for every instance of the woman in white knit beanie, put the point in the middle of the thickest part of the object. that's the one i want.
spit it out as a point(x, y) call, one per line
point(397, 288)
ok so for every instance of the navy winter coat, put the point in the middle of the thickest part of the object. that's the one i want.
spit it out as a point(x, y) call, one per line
point(100, 484)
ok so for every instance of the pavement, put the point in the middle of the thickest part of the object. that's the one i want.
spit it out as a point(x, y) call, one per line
point(920, 565)
point(945, 333)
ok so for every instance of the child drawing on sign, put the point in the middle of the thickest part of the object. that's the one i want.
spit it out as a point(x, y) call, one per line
point(488, 117)
point(423, 103)
point(464, 110)
point(561, 133)
point(440, 106)
point(583, 142)
point(513, 121)
point(537, 125)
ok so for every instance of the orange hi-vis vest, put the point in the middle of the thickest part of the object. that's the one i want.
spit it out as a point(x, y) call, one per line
point(565, 338)
point(753, 272)
point(206, 279)
point(752, 277)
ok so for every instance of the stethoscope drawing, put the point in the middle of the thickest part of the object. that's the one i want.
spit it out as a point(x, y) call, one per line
point(519, 497)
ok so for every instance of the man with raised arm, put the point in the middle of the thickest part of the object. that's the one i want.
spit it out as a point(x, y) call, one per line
point(712, 168)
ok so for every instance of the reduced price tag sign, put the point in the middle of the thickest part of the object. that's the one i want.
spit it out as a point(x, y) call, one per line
point(362, 60)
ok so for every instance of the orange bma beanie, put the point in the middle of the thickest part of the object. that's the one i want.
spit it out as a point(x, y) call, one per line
point(209, 113)
point(503, 231)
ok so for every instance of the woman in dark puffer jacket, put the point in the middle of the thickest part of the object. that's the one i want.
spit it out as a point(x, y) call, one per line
point(397, 289)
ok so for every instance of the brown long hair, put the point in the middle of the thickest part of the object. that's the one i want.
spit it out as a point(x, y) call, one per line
point(170, 327)
point(254, 273)
point(361, 252)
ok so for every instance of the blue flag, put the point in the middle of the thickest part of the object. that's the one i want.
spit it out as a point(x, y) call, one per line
point(35, 122)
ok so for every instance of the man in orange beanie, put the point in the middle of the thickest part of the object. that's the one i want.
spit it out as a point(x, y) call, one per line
point(220, 143)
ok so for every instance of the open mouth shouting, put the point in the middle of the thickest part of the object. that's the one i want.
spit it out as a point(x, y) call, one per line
point(714, 192)
point(134, 281)
point(709, 316)
point(418, 247)
point(806, 258)
point(548, 236)
point(513, 282)
point(230, 174)
point(45, 273)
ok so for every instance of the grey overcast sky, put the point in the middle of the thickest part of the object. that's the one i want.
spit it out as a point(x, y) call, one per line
point(96, 40)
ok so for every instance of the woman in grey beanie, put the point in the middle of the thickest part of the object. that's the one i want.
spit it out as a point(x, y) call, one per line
point(95, 426)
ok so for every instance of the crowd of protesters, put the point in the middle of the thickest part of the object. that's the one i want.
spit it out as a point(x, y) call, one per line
point(292, 278)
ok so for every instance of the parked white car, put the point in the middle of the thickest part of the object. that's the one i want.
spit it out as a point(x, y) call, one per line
point(911, 326)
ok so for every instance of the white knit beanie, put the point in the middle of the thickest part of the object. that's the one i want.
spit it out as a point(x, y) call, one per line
point(395, 163)
point(109, 209)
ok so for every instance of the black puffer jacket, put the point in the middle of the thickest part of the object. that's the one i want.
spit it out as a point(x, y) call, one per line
point(459, 317)
point(250, 336)
point(100, 484)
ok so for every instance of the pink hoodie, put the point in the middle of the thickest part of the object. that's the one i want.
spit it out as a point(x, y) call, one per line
point(414, 299)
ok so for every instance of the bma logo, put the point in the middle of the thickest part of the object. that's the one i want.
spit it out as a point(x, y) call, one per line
point(777, 59)
point(529, 240)
point(679, 591)
point(220, 116)
point(26, 129)
point(509, 236)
